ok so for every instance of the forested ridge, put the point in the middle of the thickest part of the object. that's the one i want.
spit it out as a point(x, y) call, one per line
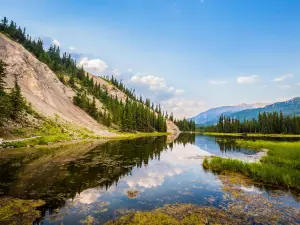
point(267, 123)
point(133, 114)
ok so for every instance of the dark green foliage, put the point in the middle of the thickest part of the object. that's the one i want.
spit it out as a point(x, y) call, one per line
point(185, 125)
point(12, 104)
point(2, 77)
point(267, 123)
point(16, 100)
point(4, 101)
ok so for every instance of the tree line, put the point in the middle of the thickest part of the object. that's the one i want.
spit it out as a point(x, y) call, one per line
point(185, 125)
point(266, 123)
point(134, 114)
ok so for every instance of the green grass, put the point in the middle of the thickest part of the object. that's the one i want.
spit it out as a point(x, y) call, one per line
point(281, 166)
point(52, 131)
point(251, 135)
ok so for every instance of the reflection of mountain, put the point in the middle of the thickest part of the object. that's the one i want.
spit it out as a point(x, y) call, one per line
point(222, 146)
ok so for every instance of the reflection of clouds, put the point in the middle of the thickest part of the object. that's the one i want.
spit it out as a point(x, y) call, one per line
point(251, 189)
point(88, 196)
point(172, 163)
point(151, 176)
point(91, 195)
point(180, 155)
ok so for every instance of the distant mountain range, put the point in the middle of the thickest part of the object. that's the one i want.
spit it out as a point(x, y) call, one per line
point(247, 111)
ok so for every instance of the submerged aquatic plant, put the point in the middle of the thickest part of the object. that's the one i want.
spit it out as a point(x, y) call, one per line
point(17, 211)
point(178, 214)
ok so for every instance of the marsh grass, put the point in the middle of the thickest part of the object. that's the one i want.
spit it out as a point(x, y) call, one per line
point(281, 166)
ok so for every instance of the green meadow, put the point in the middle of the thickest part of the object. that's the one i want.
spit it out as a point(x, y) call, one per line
point(280, 167)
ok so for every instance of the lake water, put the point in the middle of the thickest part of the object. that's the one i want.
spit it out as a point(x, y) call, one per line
point(118, 177)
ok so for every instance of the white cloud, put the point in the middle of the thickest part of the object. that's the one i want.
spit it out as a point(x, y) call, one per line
point(71, 48)
point(298, 83)
point(247, 79)
point(129, 70)
point(155, 84)
point(182, 107)
point(217, 82)
point(93, 65)
point(116, 72)
point(286, 76)
point(179, 91)
point(284, 86)
point(56, 42)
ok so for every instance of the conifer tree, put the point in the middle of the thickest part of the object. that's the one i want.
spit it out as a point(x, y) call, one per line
point(2, 77)
point(17, 100)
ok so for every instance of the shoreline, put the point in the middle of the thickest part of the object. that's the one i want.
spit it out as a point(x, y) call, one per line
point(250, 135)
point(33, 142)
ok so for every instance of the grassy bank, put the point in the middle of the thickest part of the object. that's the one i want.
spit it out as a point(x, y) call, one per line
point(48, 132)
point(281, 166)
point(51, 133)
point(251, 135)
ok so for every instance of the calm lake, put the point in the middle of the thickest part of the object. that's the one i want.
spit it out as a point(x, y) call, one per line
point(115, 178)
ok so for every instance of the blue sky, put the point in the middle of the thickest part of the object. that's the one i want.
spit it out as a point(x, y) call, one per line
point(189, 55)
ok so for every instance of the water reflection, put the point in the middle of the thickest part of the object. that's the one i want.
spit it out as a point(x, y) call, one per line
point(117, 177)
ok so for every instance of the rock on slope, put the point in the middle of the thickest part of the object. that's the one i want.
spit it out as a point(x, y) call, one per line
point(41, 87)
point(173, 129)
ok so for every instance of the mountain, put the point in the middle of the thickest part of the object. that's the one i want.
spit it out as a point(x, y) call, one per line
point(290, 107)
point(75, 98)
point(211, 116)
point(41, 87)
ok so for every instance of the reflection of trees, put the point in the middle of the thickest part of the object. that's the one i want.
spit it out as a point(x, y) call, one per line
point(106, 164)
point(227, 145)
point(185, 138)
point(100, 167)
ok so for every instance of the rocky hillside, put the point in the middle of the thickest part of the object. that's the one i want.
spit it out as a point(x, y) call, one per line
point(41, 87)
point(47, 94)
